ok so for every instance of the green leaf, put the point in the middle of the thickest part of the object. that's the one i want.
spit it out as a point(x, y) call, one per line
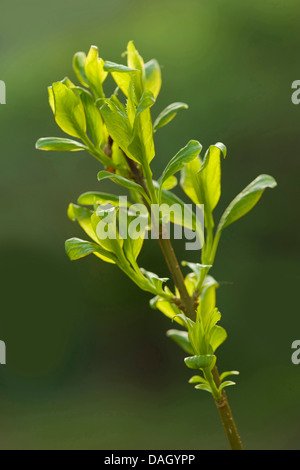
point(186, 154)
point(190, 221)
point(226, 384)
point(142, 145)
point(94, 72)
point(228, 373)
point(69, 111)
point(190, 180)
point(135, 61)
point(107, 233)
point(94, 121)
point(168, 114)
point(83, 217)
point(113, 67)
point(204, 387)
point(210, 176)
point(117, 124)
point(123, 182)
point(59, 144)
point(124, 80)
point(51, 99)
point(246, 200)
point(152, 77)
point(217, 337)
point(170, 182)
point(197, 379)
point(169, 309)
point(95, 197)
point(77, 248)
point(155, 280)
point(147, 100)
point(134, 241)
point(207, 300)
point(199, 362)
point(79, 60)
point(182, 339)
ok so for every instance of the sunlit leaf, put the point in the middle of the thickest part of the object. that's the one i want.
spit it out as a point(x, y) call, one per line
point(77, 248)
point(186, 154)
point(79, 60)
point(228, 373)
point(182, 339)
point(246, 200)
point(210, 176)
point(152, 77)
point(59, 144)
point(69, 111)
point(168, 114)
point(94, 72)
point(123, 182)
point(199, 362)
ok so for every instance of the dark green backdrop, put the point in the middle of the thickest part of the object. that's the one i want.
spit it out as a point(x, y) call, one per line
point(88, 364)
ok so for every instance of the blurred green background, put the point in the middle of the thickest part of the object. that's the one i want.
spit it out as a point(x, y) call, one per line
point(88, 364)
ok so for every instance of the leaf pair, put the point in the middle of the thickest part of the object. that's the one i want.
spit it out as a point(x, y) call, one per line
point(112, 242)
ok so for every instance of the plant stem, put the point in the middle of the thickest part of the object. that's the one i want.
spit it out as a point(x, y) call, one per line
point(188, 305)
point(174, 268)
point(227, 417)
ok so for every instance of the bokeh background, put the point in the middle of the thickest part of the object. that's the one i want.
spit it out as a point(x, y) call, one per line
point(88, 363)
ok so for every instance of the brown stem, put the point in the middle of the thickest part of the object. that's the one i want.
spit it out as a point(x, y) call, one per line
point(227, 416)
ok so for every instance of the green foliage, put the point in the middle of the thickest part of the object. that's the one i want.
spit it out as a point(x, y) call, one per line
point(59, 144)
point(118, 130)
point(246, 200)
point(168, 114)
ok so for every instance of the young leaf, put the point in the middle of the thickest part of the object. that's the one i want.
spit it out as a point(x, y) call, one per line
point(228, 383)
point(134, 241)
point(190, 180)
point(190, 220)
point(123, 182)
point(117, 123)
point(135, 61)
point(94, 72)
point(170, 183)
point(168, 114)
point(95, 197)
point(152, 77)
point(182, 339)
point(113, 67)
point(94, 121)
point(168, 308)
point(197, 379)
point(204, 387)
point(210, 176)
point(79, 60)
point(246, 200)
point(217, 337)
point(142, 145)
point(155, 279)
point(59, 144)
point(228, 373)
point(83, 217)
point(69, 111)
point(186, 154)
point(77, 248)
point(199, 362)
